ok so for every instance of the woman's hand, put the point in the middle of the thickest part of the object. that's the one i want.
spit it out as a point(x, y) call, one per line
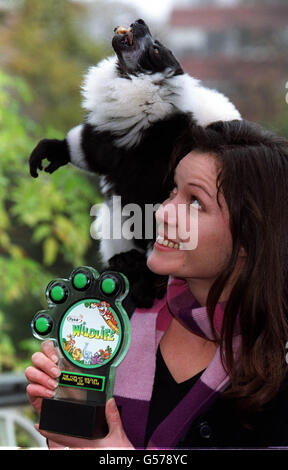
point(115, 439)
point(42, 377)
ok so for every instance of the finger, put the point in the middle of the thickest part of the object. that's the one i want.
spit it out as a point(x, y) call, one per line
point(33, 171)
point(113, 418)
point(49, 350)
point(36, 376)
point(38, 391)
point(35, 163)
point(66, 441)
point(52, 167)
point(42, 362)
point(117, 438)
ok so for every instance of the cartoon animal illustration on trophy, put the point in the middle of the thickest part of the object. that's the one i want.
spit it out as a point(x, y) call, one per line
point(69, 345)
point(97, 359)
point(77, 354)
point(87, 355)
point(108, 316)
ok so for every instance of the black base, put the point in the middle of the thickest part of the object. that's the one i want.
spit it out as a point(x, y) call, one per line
point(74, 419)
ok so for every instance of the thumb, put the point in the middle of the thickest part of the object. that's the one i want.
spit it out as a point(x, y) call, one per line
point(113, 417)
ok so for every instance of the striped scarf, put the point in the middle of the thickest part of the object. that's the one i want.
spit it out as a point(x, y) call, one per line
point(135, 375)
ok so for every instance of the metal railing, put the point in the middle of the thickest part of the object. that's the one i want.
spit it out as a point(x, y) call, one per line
point(12, 422)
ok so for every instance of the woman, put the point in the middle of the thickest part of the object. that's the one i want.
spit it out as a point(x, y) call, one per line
point(207, 362)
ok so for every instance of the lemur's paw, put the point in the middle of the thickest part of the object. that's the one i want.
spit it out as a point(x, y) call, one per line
point(85, 316)
point(132, 261)
point(54, 150)
point(145, 285)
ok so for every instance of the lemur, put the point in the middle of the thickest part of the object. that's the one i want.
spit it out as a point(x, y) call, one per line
point(137, 103)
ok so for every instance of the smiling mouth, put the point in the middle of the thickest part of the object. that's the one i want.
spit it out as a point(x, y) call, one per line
point(168, 243)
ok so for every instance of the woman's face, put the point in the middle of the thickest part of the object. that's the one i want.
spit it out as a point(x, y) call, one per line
point(195, 193)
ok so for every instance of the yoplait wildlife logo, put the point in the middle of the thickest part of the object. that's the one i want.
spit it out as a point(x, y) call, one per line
point(76, 319)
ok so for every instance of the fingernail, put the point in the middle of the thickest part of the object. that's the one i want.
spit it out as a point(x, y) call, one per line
point(54, 358)
point(52, 383)
point(50, 393)
point(112, 405)
point(55, 371)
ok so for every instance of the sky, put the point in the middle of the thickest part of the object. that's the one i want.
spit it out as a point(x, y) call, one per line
point(159, 10)
point(154, 9)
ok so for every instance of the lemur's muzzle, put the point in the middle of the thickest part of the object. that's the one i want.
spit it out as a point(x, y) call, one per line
point(131, 36)
point(126, 33)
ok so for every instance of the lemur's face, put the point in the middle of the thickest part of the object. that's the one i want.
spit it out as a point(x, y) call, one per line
point(139, 52)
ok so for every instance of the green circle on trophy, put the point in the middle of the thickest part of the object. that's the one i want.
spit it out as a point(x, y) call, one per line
point(90, 333)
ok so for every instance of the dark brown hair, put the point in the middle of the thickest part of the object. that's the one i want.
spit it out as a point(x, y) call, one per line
point(253, 178)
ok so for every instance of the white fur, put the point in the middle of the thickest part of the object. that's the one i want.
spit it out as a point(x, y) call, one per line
point(206, 104)
point(129, 106)
point(77, 156)
point(108, 226)
point(109, 248)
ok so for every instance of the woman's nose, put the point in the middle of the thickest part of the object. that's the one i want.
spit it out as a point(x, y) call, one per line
point(166, 212)
point(166, 215)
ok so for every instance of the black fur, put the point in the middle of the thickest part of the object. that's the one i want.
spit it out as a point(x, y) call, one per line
point(137, 174)
point(56, 151)
point(146, 285)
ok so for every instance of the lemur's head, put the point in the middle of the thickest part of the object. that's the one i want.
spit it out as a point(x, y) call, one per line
point(139, 52)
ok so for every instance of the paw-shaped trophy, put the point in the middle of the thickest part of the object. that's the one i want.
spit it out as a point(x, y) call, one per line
point(91, 331)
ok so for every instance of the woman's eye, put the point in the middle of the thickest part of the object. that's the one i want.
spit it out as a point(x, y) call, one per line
point(195, 202)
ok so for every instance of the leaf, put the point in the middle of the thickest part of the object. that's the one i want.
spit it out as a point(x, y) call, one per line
point(41, 232)
point(50, 250)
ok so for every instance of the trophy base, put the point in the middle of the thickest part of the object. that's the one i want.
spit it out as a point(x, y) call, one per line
point(85, 420)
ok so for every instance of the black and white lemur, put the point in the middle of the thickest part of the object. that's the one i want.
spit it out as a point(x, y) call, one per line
point(137, 104)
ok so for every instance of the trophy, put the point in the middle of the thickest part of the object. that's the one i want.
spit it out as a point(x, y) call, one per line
point(91, 331)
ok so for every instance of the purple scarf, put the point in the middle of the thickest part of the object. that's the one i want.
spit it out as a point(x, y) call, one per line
point(135, 375)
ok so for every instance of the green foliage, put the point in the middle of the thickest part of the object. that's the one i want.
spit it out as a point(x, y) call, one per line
point(48, 47)
point(7, 350)
point(44, 222)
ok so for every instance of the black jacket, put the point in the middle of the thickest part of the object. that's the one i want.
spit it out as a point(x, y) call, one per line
point(222, 426)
